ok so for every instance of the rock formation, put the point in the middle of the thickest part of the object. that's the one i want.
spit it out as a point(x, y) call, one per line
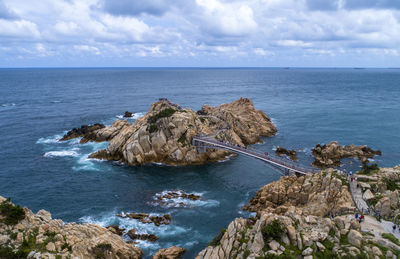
point(283, 151)
point(165, 133)
point(128, 114)
point(85, 131)
point(24, 234)
point(291, 225)
point(381, 189)
point(330, 155)
point(312, 194)
point(146, 218)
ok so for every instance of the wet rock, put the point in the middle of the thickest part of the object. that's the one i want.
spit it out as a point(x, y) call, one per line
point(146, 218)
point(283, 151)
point(83, 131)
point(330, 155)
point(128, 114)
point(134, 236)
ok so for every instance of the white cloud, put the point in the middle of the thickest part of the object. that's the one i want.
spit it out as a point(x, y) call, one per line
point(226, 19)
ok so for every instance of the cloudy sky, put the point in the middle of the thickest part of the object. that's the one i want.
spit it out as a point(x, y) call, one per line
point(306, 33)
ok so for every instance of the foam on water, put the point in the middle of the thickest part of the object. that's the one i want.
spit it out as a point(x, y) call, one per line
point(70, 153)
point(182, 202)
point(162, 231)
point(49, 140)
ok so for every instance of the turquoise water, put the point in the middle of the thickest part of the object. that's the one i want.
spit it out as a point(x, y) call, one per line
point(309, 106)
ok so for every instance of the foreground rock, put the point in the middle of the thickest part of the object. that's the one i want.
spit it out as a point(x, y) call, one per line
point(165, 133)
point(312, 194)
point(24, 233)
point(289, 225)
point(173, 252)
point(330, 155)
point(85, 131)
point(283, 151)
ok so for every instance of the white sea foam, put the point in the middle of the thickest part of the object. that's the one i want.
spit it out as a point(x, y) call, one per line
point(141, 228)
point(49, 140)
point(8, 104)
point(70, 153)
point(85, 163)
point(182, 202)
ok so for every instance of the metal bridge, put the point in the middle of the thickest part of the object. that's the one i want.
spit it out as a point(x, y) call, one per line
point(203, 142)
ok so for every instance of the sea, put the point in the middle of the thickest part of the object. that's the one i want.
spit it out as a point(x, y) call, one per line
point(308, 105)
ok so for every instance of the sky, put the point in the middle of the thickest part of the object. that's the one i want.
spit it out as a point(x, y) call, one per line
point(199, 33)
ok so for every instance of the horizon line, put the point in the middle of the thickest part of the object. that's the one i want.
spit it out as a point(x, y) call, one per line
point(202, 67)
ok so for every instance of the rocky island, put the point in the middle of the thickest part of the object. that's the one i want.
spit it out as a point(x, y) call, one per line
point(329, 155)
point(164, 134)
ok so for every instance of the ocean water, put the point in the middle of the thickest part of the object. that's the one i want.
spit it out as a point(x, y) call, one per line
point(309, 106)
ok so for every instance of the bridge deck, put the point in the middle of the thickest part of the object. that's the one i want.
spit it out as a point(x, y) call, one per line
point(252, 153)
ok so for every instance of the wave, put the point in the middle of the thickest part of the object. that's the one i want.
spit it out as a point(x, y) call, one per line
point(49, 140)
point(8, 104)
point(163, 231)
point(161, 200)
point(61, 153)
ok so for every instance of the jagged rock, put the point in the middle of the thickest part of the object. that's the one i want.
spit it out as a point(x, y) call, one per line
point(376, 251)
point(116, 229)
point(283, 151)
point(313, 194)
point(173, 252)
point(165, 133)
point(134, 236)
point(330, 155)
point(83, 131)
point(128, 114)
point(146, 218)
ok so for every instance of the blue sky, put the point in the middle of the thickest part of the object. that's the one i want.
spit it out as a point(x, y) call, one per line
point(270, 33)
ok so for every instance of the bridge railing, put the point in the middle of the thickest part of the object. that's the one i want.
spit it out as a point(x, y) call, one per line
point(269, 157)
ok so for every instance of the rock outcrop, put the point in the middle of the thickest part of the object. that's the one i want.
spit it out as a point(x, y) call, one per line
point(330, 155)
point(312, 194)
point(128, 114)
point(381, 189)
point(289, 225)
point(85, 131)
point(283, 151)
point(39, 236)
point(165, 133)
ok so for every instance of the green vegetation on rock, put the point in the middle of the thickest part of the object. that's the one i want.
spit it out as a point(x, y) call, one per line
point(391, 237)
point(11, 214)
point(369, 169)
point(217, 238)
point(162, 114)
point(273, 230)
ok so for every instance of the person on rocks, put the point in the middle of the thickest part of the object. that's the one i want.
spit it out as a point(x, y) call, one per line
point(394, 228)
point(351, 179)
point(356, 215)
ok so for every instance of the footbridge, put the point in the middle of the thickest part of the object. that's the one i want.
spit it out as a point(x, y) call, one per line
point(204, 142)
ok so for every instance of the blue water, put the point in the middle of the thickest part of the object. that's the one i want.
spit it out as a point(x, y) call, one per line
point(308, 106)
